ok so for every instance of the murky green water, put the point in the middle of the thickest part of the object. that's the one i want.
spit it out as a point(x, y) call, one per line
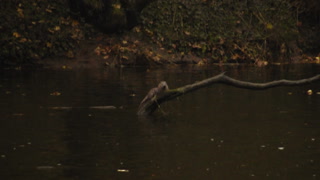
point(219, 132)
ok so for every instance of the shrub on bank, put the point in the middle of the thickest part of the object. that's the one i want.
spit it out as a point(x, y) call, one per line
point(224, 30)
point(34, 29)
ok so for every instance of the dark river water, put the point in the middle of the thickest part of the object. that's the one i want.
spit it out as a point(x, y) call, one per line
point(49, 128)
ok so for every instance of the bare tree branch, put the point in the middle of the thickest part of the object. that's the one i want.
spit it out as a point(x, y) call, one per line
point(152, 100)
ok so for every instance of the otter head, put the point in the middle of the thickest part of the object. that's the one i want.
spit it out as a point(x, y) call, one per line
point(163, 86)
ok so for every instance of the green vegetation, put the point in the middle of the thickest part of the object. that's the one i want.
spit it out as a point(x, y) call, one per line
point(35, 29)
point(224, 30)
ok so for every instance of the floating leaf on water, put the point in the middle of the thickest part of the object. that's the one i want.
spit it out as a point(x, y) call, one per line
point(123, 170)
point(281, 148)
point(56, 93)
point(102, 107)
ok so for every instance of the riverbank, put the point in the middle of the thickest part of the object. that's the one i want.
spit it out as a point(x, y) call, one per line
point(133, 49)
point(45, 33)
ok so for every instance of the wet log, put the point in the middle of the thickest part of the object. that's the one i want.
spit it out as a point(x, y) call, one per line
point(162, 93)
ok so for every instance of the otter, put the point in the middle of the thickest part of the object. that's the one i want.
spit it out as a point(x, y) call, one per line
point(162, 86)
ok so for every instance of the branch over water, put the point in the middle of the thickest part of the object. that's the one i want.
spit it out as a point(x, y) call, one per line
point(152, 100)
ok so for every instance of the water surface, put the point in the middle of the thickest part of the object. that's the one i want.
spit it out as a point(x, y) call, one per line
point(219, 132)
